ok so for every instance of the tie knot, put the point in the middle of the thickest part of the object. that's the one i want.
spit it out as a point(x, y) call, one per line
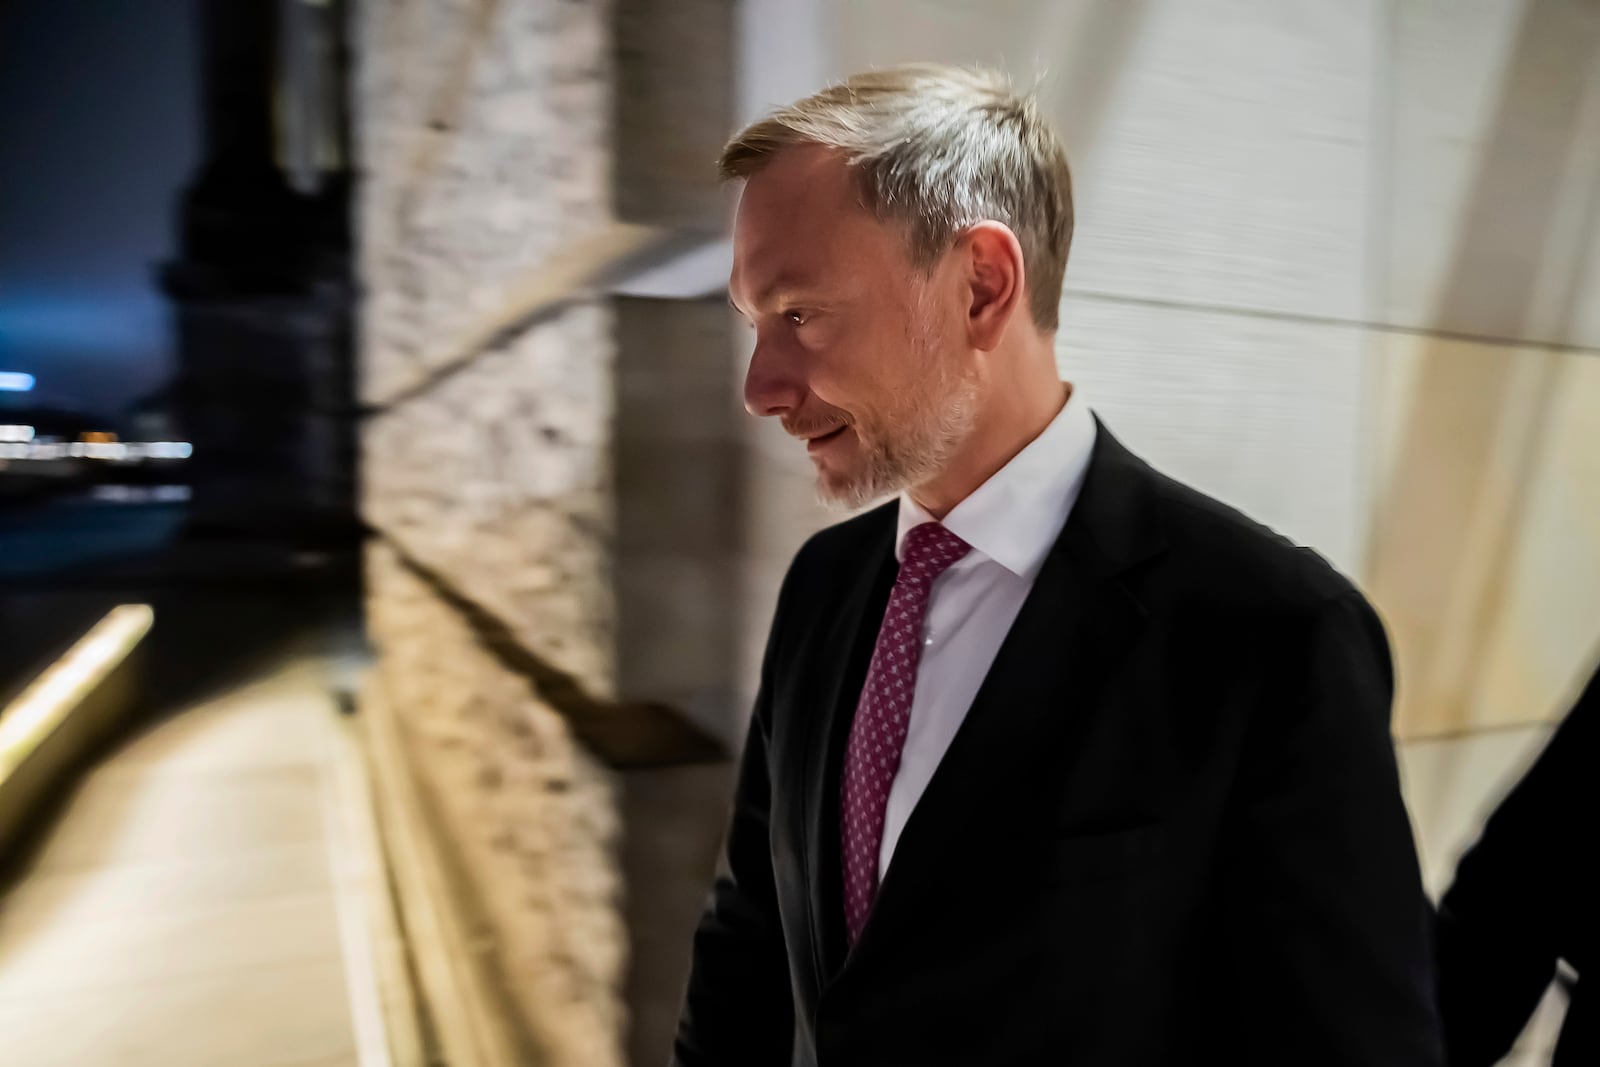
point(929, 549)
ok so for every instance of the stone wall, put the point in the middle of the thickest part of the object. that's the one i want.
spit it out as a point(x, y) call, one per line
point(530, 820)
point(485, 140)
point(498, 139)
point(500, 477)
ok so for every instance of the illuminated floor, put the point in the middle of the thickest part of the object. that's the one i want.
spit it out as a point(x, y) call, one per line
point(202, 899)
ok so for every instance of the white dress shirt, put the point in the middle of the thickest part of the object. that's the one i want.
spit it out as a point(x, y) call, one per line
point(1011, 521)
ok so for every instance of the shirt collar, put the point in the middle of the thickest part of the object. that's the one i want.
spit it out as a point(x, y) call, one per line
point(1015, 516)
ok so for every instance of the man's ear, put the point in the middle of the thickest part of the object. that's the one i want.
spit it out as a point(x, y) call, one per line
point(996, 283)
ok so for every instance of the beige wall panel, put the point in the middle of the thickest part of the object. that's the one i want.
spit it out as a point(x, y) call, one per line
point(1221, 150)
point(1262, 414)
point(1485, 551)
point(1491, 222)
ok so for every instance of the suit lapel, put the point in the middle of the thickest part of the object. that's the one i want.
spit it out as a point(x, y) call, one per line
point(1068, 638)
point(846, 656)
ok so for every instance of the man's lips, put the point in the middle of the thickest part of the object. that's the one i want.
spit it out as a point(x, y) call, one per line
point(822, 440)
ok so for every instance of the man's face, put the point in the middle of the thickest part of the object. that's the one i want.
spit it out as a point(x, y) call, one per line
point(858, 352)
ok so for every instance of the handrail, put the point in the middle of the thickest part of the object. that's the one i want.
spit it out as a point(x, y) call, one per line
point(60, 719)
point(40, 708)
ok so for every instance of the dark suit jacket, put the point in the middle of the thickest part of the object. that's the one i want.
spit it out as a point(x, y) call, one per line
point(1524, 897)
point(1169, 830)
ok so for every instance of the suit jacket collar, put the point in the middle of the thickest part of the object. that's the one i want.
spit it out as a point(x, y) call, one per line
point(1070, 632)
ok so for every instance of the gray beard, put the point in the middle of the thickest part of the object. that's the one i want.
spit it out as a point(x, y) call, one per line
point(919, 456)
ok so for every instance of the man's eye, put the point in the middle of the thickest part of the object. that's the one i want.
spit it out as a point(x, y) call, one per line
point(796, 316)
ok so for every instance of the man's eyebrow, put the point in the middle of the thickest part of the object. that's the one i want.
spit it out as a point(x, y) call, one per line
point(776, 291)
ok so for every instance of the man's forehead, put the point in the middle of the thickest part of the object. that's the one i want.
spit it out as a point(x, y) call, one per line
point(800, 187)
point(814, 171)
point(796, 216)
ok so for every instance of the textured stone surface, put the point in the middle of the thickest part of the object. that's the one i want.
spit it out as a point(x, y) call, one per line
point(500, 479)
point(524, 169)
point(532, 818)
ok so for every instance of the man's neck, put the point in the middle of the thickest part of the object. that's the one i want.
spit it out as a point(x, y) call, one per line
point(1009, 425)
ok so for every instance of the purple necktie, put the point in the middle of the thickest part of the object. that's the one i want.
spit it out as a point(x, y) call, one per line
point(883, 715)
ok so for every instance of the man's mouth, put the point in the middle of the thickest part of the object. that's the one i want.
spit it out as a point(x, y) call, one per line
point(823, 439)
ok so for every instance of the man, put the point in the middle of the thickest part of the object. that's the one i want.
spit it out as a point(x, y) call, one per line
point(1054, 760)
point(1523, 902)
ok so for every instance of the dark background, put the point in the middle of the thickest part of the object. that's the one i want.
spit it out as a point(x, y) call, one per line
point(100, 119)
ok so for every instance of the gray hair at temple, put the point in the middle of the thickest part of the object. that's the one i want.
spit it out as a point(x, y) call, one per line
point(938, 149)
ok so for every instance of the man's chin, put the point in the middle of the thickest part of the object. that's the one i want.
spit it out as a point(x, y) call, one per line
point(838, 492)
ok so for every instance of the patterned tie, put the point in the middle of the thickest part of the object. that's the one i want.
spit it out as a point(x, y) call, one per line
point(883, 715)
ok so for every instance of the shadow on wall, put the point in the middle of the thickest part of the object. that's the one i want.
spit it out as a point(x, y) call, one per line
point(678, 475)
point(1473, 433)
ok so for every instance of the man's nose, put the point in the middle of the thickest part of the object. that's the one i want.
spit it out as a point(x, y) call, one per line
point(772, 385)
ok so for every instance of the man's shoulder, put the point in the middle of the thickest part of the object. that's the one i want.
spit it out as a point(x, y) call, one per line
point(1228, 555)
point(1232, 579)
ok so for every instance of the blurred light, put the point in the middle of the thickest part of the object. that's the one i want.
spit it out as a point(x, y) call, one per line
point(16, 433)
point(101, 450)
point(140, 494)
point(15, 382)
point(113, 452)
point(169, 450)
point(98, 437)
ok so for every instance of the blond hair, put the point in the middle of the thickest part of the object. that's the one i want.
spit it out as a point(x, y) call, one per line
point(937, 149)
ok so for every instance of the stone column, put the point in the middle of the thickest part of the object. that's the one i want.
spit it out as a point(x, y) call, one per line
point(520, 157)
point(485, 145)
